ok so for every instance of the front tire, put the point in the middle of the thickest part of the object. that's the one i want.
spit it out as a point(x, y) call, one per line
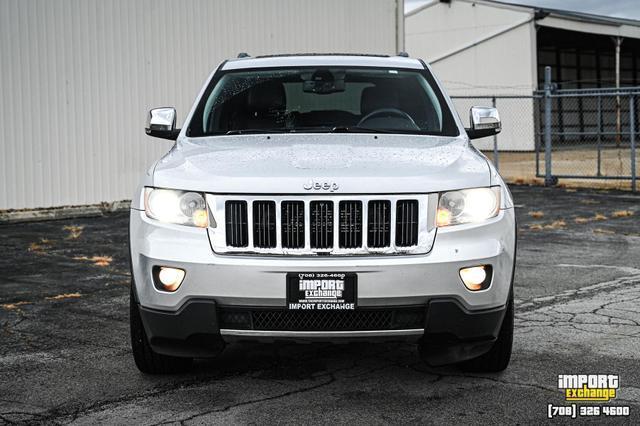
point(146, 359)
point(497, 359)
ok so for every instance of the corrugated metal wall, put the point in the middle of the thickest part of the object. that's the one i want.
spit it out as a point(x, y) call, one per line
point(77, 78)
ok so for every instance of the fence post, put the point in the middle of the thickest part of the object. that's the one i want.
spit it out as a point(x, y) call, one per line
point(495, 142)
point(549, 180)
point(599, 135)
point(632, 139)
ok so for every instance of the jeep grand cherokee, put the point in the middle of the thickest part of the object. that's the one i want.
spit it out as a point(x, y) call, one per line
point(322, 197)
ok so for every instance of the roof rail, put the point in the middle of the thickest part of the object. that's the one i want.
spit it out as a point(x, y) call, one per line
point(243, 55)
point(403, 54)
point(280, 55)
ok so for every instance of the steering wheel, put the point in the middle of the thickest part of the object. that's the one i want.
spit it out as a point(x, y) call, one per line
point(387, 112)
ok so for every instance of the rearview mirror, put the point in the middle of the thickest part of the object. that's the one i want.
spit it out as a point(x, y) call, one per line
point(484, 121)
point(161, 123)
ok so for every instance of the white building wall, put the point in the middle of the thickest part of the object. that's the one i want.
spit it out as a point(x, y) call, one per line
point(77, 78)
point(480, 49)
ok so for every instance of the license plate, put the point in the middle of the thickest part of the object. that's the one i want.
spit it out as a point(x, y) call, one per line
point(321, 291)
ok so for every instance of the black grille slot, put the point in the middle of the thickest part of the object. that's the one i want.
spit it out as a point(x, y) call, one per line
point(379, 223)
point(292, 224)
point(330, 320)
point(264, 224)
point(236, 223)
point(350, 224)
point(407, 223)
point(321, 224)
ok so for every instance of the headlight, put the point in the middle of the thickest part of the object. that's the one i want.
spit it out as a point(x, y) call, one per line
point(468, 206)
point(179, 207)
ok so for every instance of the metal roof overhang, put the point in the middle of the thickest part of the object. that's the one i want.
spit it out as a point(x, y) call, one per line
point(589, 25)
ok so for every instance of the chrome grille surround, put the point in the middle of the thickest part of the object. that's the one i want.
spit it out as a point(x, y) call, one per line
point(427, 204)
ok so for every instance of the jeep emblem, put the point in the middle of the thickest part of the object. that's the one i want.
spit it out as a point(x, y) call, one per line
point(321, 185)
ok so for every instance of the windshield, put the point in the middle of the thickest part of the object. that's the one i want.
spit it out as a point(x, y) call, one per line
point(321, 100)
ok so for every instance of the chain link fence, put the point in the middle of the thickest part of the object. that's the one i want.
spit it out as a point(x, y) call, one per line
point(590, 134)
point(584, 137)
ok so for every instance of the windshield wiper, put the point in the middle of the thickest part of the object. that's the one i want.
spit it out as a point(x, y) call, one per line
point(337, 129)
point(322, 129)
point(254, 131)
point(357, 129)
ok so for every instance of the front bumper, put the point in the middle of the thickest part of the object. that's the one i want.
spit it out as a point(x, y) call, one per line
point(457, 324)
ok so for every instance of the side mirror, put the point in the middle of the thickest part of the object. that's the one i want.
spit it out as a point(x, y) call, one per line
point(161, 123)
point(485, 121)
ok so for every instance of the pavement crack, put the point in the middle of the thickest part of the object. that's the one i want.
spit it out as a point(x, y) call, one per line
point(73, 413)
point(581, 293)
point(182, 421)
point(442, 375)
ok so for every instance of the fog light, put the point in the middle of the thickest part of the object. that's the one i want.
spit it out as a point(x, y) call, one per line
point(169, 278)
point(476, 277)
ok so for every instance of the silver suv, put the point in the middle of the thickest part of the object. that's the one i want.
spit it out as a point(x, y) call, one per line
point(322, 197)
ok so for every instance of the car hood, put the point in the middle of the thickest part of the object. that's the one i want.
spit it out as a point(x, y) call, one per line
point(339, 163)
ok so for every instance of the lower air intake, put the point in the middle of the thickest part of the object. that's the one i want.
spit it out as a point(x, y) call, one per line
point(288, 320)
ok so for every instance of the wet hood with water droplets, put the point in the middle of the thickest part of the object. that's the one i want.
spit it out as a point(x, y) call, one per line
point(356, 163)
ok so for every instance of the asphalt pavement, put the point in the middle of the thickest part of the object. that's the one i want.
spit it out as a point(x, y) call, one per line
point(65, 355)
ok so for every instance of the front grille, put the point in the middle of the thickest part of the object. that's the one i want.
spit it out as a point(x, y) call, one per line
point(236, 224)
point(321, 225)
point(288, 320)
point(407, 223)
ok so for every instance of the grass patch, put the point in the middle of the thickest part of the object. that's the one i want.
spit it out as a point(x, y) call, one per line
point(13, 306)
point(97, 260)
point(556, 224)
point(64, 296)
point(622, 213)
point(40, 246)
